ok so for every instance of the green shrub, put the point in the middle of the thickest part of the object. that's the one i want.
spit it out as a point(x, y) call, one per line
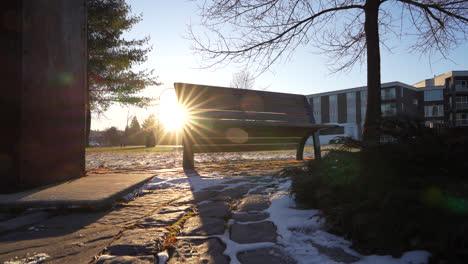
point(394, 197)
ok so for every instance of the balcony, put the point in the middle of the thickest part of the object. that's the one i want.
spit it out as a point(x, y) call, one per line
point(386, 97)
point(461, 106)
point(389, 112)
point(461, 88)
point(461, 122)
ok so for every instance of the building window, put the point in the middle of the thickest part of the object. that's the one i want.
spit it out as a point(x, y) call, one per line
point(461, 85)
point(433, 123)
point(433, 110)
point(317, 110)
point(333, 108)
point(433, 95)
point(461, 102)
point(388, 109)
point(402, 107)
point(351, 107)
point(363, 105)
point(387, 94)
point(387, 139)
point(415, 101)
point(461, 119)
point(401, 92)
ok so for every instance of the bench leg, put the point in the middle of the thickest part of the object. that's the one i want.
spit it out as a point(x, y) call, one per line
point(317, 153)
point(300, 148)
point(188, 160)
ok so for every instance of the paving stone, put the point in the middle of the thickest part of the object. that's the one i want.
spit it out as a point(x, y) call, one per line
point(235, 181)
point(188, 198)
point(21, 221)
point(63, 245)
point(214, 188)
point(262, 190)
point(124, 215)
point(75, 220)
point(138, 242)
point(156, 197)
point(253, 203)
point(335, 253)
point(203, 226)
point(262, 179)
point(174, 209)
point(214, 209)
point(208, 251)
point(202, 195)
point(253, 233)
point(165, 216)
point(4, 216)
point(248, 217)
point(160, 220)
point(269, 255)
point(233, 193)
point(127, 260)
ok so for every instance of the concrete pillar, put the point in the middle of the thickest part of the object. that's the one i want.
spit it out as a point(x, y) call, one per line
point(43, 79)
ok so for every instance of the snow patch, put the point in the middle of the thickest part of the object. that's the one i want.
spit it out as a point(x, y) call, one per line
point(298, 228)
point(35, 259)
point(163, 257)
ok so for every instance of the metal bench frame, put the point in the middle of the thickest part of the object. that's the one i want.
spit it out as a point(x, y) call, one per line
point(227, 119)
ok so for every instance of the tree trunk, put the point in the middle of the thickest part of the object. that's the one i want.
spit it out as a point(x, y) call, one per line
point(371, 133)
point(88, 123)
point(88, 116)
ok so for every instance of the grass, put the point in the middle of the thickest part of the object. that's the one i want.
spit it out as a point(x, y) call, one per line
point(162, 148)
point(133, 149)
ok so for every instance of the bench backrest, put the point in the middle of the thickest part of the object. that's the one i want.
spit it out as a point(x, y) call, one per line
point(210, 102)
point(228, 119)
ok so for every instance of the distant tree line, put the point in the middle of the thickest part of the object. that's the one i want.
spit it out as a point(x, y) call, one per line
point(148, 134)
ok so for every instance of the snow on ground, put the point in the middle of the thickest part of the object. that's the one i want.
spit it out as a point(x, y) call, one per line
point(180, 181)
point(296, 228)
point(165, 160)
point(34, 259)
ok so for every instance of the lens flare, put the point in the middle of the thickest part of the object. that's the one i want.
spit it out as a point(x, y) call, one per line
point(171, 114)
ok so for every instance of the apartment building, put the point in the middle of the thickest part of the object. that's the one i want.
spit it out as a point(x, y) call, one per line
point(446, 99)
point(439, 101)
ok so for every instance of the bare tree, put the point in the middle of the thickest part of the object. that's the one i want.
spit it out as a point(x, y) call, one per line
point(260, 32)
point(243, 80)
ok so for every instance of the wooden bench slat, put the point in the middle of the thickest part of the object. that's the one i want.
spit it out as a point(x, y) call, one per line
point(197, 130)
point(251, 107)
point(248, 123)
point(220, 114)
point(184, 90)
point(245, 140)
point(241, 147)
point(209, 100)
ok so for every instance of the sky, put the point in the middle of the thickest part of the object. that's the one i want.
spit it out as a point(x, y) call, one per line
point(305, 72)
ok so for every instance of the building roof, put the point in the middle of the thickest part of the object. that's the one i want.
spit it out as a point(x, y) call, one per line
point(363, 88)
point(438, 82)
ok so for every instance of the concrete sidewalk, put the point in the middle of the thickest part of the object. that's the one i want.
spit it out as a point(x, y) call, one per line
point(98, 190)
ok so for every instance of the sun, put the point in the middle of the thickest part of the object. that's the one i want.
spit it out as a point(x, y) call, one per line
point(171, 115)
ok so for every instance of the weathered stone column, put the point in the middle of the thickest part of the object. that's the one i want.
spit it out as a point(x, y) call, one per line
point(43, 80)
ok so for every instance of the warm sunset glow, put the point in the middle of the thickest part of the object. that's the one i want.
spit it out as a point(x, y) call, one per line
point(171, 115)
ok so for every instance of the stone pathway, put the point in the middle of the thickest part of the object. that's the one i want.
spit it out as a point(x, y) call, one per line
point(226, 222)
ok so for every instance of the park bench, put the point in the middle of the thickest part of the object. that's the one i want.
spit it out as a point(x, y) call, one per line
point(227, 119)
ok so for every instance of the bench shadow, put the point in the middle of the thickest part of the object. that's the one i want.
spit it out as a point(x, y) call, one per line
point(210, 222)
